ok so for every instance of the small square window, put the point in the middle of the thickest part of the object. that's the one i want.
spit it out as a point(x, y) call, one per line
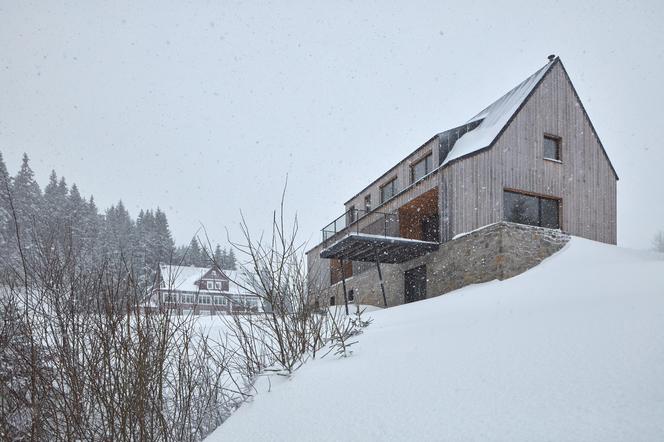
point(217, 285)
point(552, 147)
point(210, 285)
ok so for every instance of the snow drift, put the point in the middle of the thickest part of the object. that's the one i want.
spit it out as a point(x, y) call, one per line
point(570, 350)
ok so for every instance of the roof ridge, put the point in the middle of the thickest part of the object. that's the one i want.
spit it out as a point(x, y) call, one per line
point(506, 94)
point(495, 117)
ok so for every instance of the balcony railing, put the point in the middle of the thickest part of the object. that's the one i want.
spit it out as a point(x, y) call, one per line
point(362, 221)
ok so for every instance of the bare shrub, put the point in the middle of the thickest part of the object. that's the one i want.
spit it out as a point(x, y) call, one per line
point(288, 329)
point(81, 358)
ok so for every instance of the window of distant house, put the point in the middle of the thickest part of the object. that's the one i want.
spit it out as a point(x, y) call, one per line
point(388, 190)
point(351, 295)
point(532, 210)
point(220, 300)
point(210, 285)
point(170, 298)
point(332, 300)
point(217, 285)
point(421, 168)
point(187, 298)
point(367, 203)
point(204, 299)
point(552, 147)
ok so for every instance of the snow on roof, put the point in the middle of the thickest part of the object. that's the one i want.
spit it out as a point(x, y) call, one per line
point(495, 117)
point(185, 278)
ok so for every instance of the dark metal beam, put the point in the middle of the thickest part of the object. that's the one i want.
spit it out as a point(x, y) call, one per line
point(380, 278)
point(343, 282)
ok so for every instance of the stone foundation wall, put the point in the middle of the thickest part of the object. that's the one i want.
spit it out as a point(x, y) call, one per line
point(498, 251)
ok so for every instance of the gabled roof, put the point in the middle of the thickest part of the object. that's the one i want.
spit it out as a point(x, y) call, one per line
point(482, 130)
point(496, 116)
point(186, 278)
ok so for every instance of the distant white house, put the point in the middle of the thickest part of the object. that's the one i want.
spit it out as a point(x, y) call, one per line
point(201, 290)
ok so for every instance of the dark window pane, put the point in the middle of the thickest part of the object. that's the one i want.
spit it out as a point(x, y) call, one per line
point(351, 215)
point(521, 209)
point(367, 203)
point(420, 169)
point(388, 191)
point(550, 216)
point(551, 148)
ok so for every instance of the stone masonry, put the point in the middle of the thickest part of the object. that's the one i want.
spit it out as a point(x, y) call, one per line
point(498, 251)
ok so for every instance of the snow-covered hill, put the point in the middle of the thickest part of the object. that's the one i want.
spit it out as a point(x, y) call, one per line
point(570, 350)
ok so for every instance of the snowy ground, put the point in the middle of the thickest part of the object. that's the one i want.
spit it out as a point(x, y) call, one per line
point(571, 350)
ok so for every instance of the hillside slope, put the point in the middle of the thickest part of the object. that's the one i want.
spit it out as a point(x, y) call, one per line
point(570, 350)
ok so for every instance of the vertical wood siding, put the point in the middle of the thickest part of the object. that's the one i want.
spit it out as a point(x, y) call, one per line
point(402, 172)
point(471, 189)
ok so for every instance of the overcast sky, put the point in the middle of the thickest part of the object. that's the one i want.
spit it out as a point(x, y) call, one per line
point(203, 108)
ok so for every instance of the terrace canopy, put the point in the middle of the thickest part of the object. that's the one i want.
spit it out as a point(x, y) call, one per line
point(377, 248)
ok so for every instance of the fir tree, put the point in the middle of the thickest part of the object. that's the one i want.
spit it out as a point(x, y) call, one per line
point(164, 244)
point(218, 257)
point(118, 231)
point(74, 217)
point(51, 196)
point(26, 196)
point(232, 265)
point(5, 209)
point(195, 254)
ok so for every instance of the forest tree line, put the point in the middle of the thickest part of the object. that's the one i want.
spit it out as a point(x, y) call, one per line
point(59, 217)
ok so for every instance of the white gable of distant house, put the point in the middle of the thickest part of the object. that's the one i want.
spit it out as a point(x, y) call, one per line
point(189, 278)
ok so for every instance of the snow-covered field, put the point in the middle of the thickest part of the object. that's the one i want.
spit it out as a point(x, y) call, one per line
point(571, 350)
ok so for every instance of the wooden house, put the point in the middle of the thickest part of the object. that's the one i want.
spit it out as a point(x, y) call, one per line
point(201, 290)
point(532, 157)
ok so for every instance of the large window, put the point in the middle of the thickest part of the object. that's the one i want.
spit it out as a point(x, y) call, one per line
point(388, 190)
point(220, 300)
point(204, 299)
point(531, 210)
point(421, 168)
point(551, 147)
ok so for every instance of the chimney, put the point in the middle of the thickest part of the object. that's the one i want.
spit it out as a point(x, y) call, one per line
point(551, 57)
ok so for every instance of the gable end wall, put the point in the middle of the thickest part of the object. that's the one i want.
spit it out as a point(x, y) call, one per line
point(472, 188)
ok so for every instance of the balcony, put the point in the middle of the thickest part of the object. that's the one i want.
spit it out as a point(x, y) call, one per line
point(372, 236)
